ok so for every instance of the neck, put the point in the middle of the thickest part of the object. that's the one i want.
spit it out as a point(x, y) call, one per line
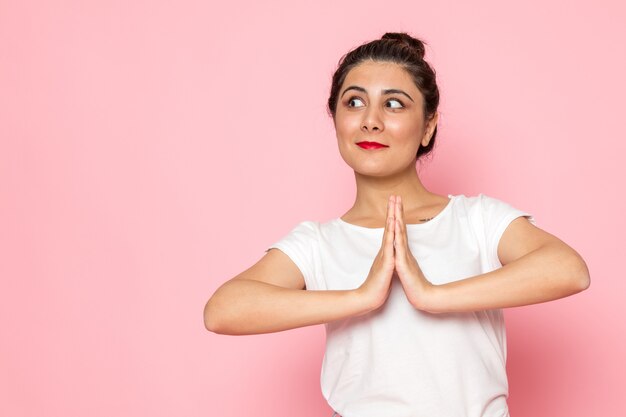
point(372, 193)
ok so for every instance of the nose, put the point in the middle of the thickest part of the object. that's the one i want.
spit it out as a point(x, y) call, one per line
point(372, 121)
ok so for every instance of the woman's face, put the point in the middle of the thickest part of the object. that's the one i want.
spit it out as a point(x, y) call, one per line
point(379, 102)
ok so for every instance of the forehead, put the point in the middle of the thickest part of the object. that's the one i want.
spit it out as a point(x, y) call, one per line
point(380, 75)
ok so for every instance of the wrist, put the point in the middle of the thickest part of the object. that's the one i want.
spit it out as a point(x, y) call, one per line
point(361, 301)
point(431, 299)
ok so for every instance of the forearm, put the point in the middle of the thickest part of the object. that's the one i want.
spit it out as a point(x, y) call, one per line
point(242, 307)
point(546, 274)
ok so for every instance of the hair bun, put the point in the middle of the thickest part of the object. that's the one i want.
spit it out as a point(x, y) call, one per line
point(415, 44)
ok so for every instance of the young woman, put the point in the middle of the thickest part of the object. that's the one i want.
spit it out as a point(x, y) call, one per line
point(409, 284)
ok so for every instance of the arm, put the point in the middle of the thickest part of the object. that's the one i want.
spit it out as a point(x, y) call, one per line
point(537, 267)
point(251, 307)
point(268, 297)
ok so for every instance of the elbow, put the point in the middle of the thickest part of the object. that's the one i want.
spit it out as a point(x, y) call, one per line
point(585, 282)
point(580, 273)
point(210, 322)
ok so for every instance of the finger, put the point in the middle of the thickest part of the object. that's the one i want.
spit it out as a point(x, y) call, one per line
point(400, 227)
point(387, 222)
point(391, 206)
point(400, 242)
point(389, 236)
point(399, 213)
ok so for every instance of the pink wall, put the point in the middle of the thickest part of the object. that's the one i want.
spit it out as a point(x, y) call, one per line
point(151, 150)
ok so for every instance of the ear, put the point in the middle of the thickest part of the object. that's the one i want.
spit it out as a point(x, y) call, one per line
point(430, 128)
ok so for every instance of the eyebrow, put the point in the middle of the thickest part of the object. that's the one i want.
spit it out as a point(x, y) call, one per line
point(387, 91)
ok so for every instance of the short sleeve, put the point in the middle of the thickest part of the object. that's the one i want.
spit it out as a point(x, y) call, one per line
point(301, 244)
point(497, 215)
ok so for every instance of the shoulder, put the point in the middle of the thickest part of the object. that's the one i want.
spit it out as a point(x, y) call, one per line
point(308, 225)
point(300, 244)
point(510, 231)
point(305, 230)
point(479, 200)
point(490, 207)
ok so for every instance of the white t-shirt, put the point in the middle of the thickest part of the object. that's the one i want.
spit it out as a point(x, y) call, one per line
point(398, 361)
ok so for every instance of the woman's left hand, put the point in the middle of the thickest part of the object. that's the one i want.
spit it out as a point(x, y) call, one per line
point(418, 289)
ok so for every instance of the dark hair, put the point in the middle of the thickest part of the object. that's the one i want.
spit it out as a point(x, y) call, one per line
point(399, 48)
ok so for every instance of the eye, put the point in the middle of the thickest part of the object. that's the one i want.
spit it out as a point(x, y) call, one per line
point(354, 99)
point(397, 101)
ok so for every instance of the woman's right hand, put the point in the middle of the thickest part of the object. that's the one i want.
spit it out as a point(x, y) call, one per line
point(377, 285)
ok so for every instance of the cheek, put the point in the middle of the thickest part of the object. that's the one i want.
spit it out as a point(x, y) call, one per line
point(403, 130)
point(347, 128)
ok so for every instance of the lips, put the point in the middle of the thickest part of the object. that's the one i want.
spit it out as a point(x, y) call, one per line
point(371, 145)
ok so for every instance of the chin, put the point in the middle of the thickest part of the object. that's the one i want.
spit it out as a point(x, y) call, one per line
point(380, 168)
point(372, 170)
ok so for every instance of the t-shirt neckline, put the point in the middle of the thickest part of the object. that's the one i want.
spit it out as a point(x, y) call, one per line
point(435, 219)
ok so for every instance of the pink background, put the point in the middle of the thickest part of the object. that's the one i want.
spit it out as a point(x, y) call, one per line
point(151, 150)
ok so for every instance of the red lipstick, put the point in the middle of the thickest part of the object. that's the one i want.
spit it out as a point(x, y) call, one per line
point(371, 145)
